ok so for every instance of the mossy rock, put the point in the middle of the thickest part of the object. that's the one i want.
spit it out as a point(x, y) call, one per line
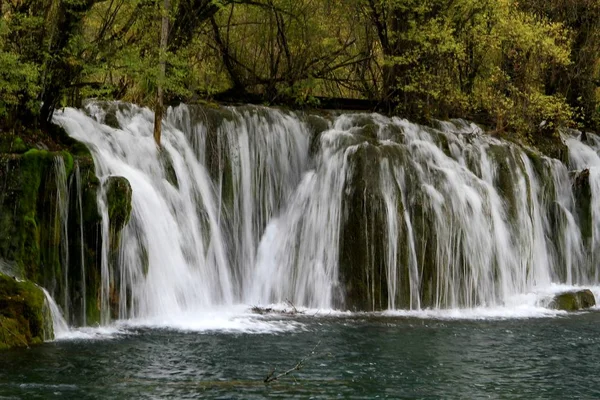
point(552, 146)
point(31, 231)
point(22, 178)
point(573, 301)
point(583, 203)
point(363, 234)
point(24, 315)
point(316, 125)
point(118, 197)
point(507, 166)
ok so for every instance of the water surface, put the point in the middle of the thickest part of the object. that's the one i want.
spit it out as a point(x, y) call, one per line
point(356, 356)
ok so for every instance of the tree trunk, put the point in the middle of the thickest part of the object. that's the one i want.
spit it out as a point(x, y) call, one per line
point(164, 38)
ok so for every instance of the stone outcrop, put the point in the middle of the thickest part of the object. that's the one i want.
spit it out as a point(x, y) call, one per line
point(36, 234)
point(24, 315)
point(574, 300)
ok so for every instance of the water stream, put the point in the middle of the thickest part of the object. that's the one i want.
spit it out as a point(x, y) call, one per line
point(258, 206)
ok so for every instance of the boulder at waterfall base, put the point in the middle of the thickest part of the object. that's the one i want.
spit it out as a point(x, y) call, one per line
point(24, 315)
point(574, 300)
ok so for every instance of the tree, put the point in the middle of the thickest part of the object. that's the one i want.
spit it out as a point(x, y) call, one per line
point(164, 38)
point(39, 35)
point(579, 81)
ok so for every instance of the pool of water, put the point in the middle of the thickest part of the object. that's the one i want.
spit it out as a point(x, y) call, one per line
point(355, 356)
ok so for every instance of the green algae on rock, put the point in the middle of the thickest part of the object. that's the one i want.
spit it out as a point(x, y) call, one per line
point(118, 197)
point(24, 315)
point(574, 300)
point(34, 186)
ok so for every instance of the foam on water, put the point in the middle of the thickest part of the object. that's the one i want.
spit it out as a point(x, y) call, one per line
point(236, 319)
point(478, 313)
point(59, 323)
point(534, 304)
point(93, 333)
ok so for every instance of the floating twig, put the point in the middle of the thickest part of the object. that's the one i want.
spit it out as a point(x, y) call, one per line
point(272, 377)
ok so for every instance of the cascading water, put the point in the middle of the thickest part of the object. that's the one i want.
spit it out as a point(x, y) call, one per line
point(176, 250)
point(59, 324)
point(79, 199)
point(257, 206)
point(61, 218)
point(584, 158)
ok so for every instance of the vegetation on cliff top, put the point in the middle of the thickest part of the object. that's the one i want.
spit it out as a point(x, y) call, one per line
point(515, 66)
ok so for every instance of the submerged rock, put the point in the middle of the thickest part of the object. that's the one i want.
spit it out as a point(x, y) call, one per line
point(573, 301)
point(25, 318)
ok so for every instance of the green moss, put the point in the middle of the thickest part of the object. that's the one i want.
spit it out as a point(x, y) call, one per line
point(574, 301)
point(93, 296)
point(11, 143)
point(31, 233)
point(552, 146)
point(118, 196)
point(583, 203)
point(505, 176)
point(19, 200)
point(425, 235)
point(24, 315)
point(364, 234)
point(68, 159)
point(90, 219)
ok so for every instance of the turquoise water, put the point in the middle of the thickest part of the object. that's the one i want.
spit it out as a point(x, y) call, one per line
point(356, 356)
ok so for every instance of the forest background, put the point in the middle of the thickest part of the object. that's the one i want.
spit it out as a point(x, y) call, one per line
point(521, 68)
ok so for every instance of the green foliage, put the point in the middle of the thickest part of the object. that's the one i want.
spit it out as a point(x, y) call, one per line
point(18, 84)
point(524, 66)
point(483, 60)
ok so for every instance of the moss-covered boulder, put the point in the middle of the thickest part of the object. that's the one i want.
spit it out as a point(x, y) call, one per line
point(24, 315)
point(574, 300)
point(118, 197)
point(33, 237)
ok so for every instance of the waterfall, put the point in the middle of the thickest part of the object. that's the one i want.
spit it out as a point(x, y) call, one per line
point(257, 206)
point(176, 250)
point(78, 188)
point(61, 218)
point(584, 157)
point(298, 254)
point(58, 321)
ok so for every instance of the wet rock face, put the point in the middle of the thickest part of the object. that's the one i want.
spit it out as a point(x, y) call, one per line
point(33, 236)
point(574, 301)
point(118, 196)
point(24, 316)
point(583, 197)
point(552, 146)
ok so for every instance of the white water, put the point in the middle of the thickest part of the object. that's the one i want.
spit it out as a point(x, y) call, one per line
point(83, 287)
point(62, 219)
point(60, 325)
point(240, 211)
